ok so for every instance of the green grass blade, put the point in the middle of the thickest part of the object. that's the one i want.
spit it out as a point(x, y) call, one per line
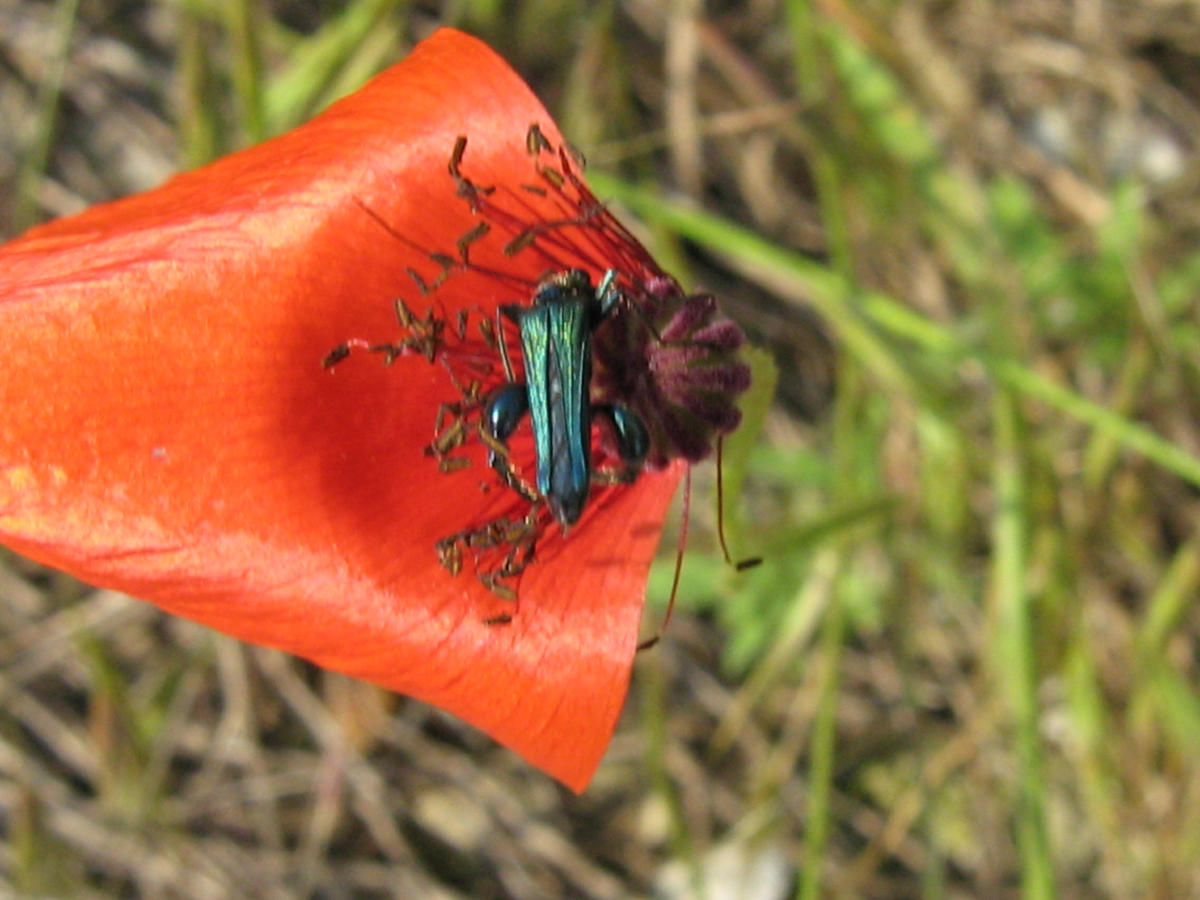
point(1014, 666)
point(36, 157)
point(245, 31)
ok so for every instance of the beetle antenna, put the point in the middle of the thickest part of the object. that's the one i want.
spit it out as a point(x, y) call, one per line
point(742, 564)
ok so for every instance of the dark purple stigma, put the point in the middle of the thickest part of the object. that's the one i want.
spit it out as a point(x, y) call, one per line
point(683, 381)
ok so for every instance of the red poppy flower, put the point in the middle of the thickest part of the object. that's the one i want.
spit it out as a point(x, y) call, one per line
point(169, 430)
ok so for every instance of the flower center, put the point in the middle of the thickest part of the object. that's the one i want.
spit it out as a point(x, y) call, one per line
point(574, 384)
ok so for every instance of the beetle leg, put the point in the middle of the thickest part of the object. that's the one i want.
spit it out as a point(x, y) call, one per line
point(608, 293)
point(513, 313)
point(631, 438)
point(502, 413)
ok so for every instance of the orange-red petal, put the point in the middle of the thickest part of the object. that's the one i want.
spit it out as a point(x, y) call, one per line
point(167, 428)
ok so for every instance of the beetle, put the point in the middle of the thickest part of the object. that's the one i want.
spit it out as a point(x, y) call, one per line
point(556, 343)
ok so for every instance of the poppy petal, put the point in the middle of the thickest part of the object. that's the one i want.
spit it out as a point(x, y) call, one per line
point(168, 429)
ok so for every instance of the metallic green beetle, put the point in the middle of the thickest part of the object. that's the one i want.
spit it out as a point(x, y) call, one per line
point(556, 338)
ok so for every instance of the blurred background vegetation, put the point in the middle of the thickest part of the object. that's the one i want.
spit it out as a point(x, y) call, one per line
point(964, 230)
